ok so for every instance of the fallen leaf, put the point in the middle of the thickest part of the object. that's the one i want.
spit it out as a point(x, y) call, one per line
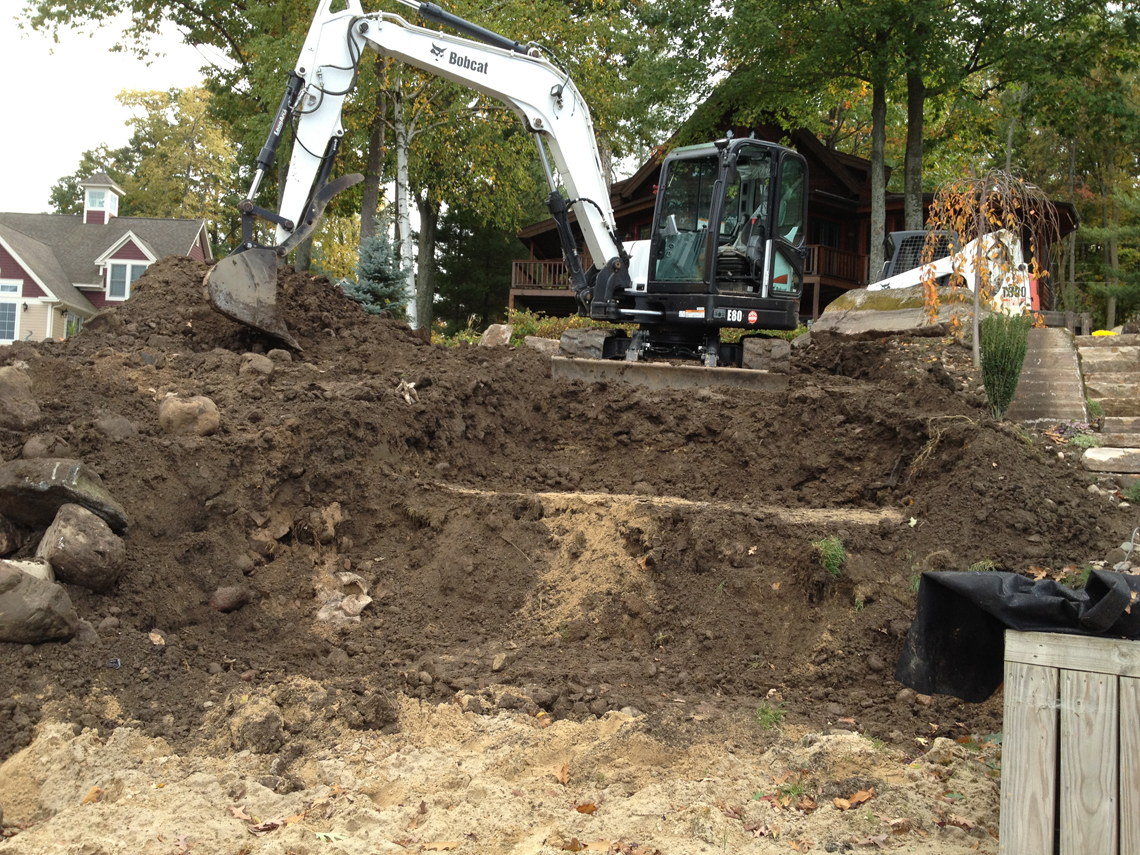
point(267, 826)
point(240, 814)
point(562, 773)
point(847, 721)
point(599, 846)
point(423, 808)
point(862, 796)
point(1037, 573)
point(752, 550)
point(515, 792)
point(878, 840)
point(297, 817)
point(993, 832)
point(442, 846)
point(573, 846)
point(933, 727)
point(961, 822)
point(807, 804)
point(588, 807)
point(182, 843)
point(94, 795)
point(842, 804)
point(775, 586)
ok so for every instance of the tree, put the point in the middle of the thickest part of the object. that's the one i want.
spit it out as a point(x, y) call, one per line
point(473, 282)
point(378, 286)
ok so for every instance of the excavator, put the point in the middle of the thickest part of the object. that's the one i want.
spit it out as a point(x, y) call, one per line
point(727, 244)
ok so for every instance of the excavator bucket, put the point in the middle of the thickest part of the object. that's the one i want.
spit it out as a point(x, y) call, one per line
point(243, 287)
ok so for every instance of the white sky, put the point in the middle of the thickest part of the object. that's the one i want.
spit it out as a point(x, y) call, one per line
point(60, 100)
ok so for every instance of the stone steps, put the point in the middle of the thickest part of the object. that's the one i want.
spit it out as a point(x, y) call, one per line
point(1049, 389)
point(1110, 366)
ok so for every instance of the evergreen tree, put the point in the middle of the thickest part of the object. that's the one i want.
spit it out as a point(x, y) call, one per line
point(378, 286)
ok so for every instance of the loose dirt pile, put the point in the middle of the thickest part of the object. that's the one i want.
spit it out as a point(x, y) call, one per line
point(465, 575)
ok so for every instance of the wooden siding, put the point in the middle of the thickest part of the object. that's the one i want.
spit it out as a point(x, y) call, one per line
point(99, 299)
point(130, 251)
point(10, 268)
point(34, 321)
point(96, 218)
point(196, 251)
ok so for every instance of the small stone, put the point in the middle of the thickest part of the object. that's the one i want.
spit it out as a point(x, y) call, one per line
point(280, 355)
point(86, 634)
point(648, 669)
point(230, 598)
point(906, 696)
point(499, 661)
point(875, 663)
point(337, 657)
point(115, 427)
point(45, 445)
point(108, 624)
point(632, 712)
point(599, 707)
point(256, 365)
point(247, 676)
point(835, 709)
point(193, 416)
point(497, 335)
point(214, 668)
point(545, 346)
point(425, 678)
point(923, 700)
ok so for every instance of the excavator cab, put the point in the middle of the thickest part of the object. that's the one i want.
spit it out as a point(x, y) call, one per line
point(727, 249)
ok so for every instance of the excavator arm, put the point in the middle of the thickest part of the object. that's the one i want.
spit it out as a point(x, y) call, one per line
point(520, 76)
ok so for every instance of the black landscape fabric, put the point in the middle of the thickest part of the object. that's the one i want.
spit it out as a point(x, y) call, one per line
point(955, 646)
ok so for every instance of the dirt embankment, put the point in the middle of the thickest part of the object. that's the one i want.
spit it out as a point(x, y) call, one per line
point(636, 567)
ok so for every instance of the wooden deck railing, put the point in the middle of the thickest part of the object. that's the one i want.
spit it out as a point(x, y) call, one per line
point(837, 265)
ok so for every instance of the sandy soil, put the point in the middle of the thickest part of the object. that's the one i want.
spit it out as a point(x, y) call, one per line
point(600, 584)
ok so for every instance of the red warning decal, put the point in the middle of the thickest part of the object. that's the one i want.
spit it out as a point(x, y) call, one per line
point(753, 317)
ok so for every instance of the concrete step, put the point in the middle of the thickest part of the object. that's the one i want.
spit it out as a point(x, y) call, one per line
point(1083, 341)
point(1120, 440)
point(1121, 424)
point(1124, 405)
point(1113, 385)
point(1102, 459)
point(1049, 389)
point(1101, 360)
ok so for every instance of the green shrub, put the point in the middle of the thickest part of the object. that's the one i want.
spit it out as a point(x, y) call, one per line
point(1004, 339)
point(1086, 440)
point(768, 716)
point(1132, 494)
point(1094, 408)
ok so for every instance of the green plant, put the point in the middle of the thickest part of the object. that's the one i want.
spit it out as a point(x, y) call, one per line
point(768, 716)
point(859, 604)
point(1132, 494)
point(832, 555)
point(984, 566)
point(1096, 411)
point(914, 582)
point(1086, 440)
point(1004, 340)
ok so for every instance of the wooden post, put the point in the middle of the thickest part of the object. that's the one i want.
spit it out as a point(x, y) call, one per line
point(1089, 721)
point(1029, 759)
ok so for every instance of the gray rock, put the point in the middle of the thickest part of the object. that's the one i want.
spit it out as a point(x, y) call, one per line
point(280, 355)
point(85, 633)
point(584, 344)
point(116, 427)
point(767, 354)
point(45, 445)
point(32, 610)
point(18, 409)
point(196, 416)
point(801, 341)
point(496, 335)
point(108, 624)
point(256, 365)
point(39, 569)
point(10, 539)
point(33, 491)
point(545, 346)
point(82, 549)
point(499, 662)
point(884, 312)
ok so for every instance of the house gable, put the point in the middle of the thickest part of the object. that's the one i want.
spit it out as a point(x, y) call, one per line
point(13, 270)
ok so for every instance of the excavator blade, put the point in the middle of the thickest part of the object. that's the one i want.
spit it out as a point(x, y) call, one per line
point(243, 287)
point(657, 375)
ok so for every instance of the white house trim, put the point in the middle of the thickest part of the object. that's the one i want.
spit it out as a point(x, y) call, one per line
point(103, 260)
point(27, 268)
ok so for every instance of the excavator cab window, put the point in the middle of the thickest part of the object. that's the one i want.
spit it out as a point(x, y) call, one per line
point(683, 218)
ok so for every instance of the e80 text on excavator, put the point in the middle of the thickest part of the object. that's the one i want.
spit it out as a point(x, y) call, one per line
point(728, 237)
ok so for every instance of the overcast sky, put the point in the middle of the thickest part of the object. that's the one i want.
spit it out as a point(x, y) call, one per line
point(60, 100)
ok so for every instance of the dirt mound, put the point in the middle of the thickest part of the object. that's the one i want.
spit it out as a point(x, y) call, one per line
point(527, 544)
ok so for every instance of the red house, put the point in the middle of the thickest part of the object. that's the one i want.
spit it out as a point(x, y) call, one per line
point(57, 270)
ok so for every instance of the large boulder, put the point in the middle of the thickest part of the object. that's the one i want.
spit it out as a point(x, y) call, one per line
point(33, 491)
point(33, 610)
point(82, 549)
point(895, 310)
point(196, 416)
point(497, 335)
point(39, 568)
point(18, 409)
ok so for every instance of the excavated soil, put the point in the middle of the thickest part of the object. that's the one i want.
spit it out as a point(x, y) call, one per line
point(602, 576)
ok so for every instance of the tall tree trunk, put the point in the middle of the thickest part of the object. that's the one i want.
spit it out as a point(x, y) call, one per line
point(912, 190)
point(425, 277)
point(878, 180)
point(373, 172)
point(1073, 200)
point(403, 214)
